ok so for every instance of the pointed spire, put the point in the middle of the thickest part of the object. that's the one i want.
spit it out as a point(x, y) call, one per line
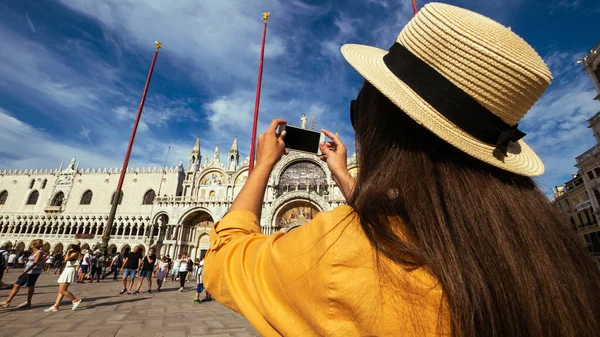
point(234, 146)
point(233, 159)
point(196, 148)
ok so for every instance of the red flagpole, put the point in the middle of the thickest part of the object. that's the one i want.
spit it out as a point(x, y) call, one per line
point(258, 87)
point(414, 3)
point(116, 196)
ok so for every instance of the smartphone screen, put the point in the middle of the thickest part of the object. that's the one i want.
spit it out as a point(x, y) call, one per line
point(302, 139)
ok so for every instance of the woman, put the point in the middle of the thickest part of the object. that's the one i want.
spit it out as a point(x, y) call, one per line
point(97, 262)
point(33, 269)
point(49, 263)
point(68, 276)
point(445, 233)
point(175, 268)
point(59, 263)
point(160, 272)
point(84, 266)
point(185, 267)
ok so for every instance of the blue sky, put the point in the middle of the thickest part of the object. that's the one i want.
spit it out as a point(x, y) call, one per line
point(72, 73)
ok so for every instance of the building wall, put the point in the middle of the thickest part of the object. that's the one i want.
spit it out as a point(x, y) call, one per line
point(17, 186)
point(179, 219)
point(59, 224)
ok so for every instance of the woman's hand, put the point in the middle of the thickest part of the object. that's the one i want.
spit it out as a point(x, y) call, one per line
point(271, 146)
point(334, 153)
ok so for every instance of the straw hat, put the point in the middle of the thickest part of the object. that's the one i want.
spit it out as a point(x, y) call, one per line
point(465, 78)
point(76, 243)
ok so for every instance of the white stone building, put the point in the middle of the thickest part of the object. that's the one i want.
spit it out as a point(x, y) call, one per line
point(170, 209)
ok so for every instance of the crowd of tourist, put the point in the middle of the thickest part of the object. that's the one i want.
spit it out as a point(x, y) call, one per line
point(79, 265)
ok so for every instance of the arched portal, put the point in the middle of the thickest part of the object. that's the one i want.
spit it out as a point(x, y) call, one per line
point(194, 223)
point(294, 213)
point(85, 246)
point(46, 247)
point(112, 249)
point(20, 246)
point(58, 248)
point(125, 250)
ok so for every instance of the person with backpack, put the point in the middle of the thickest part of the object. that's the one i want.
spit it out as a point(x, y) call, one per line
point(33, 269)
point(3, 265)
point(97, 264)
point(114, 267)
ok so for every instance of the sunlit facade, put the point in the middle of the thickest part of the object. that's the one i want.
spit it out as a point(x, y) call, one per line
point(169, 209)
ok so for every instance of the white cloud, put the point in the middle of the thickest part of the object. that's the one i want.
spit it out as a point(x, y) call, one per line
point(29, 22)
point(27, 147)
point(85, 133)
point(29, 69)
point(557, 125)
point(217, 36)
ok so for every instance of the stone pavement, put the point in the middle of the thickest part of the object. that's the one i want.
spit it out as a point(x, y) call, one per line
point(104, 312)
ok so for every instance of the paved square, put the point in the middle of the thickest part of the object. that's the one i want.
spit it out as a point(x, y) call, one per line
point(104, 312)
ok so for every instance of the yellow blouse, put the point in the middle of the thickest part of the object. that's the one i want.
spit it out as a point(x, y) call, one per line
point(319, 279)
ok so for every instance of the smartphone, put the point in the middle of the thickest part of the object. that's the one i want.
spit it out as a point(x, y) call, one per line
point(300, 139)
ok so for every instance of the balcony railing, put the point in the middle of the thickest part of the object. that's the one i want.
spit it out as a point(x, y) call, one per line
point(583, 205)
point(591, 153)
point(53, 209)
point(192, 199)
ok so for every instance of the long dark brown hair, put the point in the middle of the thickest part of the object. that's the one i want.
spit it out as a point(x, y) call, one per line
point(508, 261)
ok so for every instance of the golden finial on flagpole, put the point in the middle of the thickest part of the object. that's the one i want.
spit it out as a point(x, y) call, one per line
point(266, 15)
point(158, 45)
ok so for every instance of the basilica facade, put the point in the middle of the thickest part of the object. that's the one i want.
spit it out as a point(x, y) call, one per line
point(170, 209)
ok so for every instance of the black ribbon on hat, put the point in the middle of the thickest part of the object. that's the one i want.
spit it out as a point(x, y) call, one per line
point(449, 100)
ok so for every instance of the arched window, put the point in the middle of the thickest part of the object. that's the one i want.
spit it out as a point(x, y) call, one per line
point(58, 199)
point(3, 197)
point(112, 199)
point(149, 198)
point(44, 183)
point(31, 183)
point(33, 198)
point(86, 198)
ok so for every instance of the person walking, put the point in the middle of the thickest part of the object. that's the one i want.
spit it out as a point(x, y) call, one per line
point(199, 283)
point(185, 267)
point(11, 260)
point(175, 268)
point(131, 265)
point(115, 265)
point(59, 263)
point(97, 264)
point(49, 263)
point(170, 264)
point(84, 267)
point(160, 272)
point(68, 276)
point(3, 265)
point(148, 263)
point(33, 269)
point(207, 296)
point(444, 232)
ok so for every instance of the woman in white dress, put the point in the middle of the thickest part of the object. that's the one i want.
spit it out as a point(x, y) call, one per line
point(160, 272)
point(68, 276)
